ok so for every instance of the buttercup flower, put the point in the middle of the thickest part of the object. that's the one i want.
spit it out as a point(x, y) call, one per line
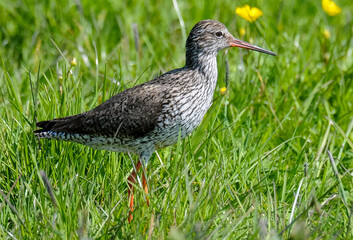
point(327, 34)
point(249, 14)
point(73, 62)
point(330, 7)
point(223, 90)
point(242, 32)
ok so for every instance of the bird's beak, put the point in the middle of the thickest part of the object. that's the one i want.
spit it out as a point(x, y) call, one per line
point(239, 43)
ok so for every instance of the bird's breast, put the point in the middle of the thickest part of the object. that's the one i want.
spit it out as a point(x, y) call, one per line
point(183, 112)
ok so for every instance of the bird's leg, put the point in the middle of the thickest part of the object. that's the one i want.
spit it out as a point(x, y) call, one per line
point(144, 184)
point(131, 181)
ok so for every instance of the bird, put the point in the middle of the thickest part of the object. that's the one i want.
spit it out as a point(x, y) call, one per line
point(154, 114)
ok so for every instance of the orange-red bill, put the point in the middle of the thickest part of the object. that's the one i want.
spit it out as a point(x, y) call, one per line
point(242, 44)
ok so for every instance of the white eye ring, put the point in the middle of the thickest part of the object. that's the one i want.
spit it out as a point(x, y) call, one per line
point(219, 34)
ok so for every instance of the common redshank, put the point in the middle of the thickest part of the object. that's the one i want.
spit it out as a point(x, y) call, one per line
point(153, 115)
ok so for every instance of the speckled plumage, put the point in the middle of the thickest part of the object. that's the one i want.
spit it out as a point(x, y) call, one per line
point(150, 116)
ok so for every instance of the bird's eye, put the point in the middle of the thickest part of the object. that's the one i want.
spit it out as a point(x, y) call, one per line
point(219, 34)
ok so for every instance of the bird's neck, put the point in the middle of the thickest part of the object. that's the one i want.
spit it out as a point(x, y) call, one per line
point(203, 62)
point(205, 67)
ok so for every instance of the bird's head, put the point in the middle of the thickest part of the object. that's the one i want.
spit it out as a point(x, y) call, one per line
point(210, 36)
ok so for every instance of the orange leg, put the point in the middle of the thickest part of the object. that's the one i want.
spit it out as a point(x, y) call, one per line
point(145, 187)
point(131, 182)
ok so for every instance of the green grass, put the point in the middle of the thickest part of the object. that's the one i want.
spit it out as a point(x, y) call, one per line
point(257, 168)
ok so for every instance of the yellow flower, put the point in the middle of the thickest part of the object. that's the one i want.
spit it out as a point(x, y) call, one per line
point(73, 62)
point(327, 34)
point(223, 91)
point(330, 7)
point(249, 14)
point(242, 32)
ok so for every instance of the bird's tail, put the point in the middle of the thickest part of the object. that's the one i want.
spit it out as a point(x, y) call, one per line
point(45, 131)
point(57, 128)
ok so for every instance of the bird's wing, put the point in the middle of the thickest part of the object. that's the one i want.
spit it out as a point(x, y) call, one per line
point(131, 113)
